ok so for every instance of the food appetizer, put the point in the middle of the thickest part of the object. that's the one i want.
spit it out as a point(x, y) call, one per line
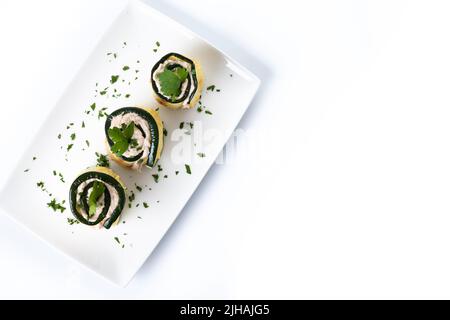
point(134, 137)
point(177, 81)
point(97, 197)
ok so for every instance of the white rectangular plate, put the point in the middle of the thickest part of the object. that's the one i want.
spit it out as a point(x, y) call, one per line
point(140, 27)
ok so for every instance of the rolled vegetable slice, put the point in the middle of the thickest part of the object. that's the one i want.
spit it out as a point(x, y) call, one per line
point(97, 197)
point(177, 81)
point(134, 137)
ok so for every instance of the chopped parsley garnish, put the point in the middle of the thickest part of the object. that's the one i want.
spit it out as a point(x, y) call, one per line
point(201, 154)
point(121, 138)
point(181, 125)
point(165, 132)
point(103, 92)
point(177, 172)
point(114, 79)
point(34, 158)
point(138, 188)
point(117, 240)
point(87, 143)
point(125, 68)
point(93, 105)
point(72, 221)
point(188, 169)
point(59, 136)
point(102, 160)
point(158, 44)
point(127, 95)
point(211, 88)
point(26, 170)
point(73, 136)
point(102, 113)
point(155, 177)
point(61, 177)
point(160, 168)
point(56, 206)
point(83, 125)
point(145, 204)
point(69, 147)
point(208, 112)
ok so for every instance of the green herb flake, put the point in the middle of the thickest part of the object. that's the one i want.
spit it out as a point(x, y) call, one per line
point(201, 154)
point(26, 170)
point(114, 79)
point(59, 136)
point(155, 177)
point(73, 136)
point(165, 132)
point(125, 68)
point(69, 147)
point(56, 206)
point(103, 92)
point(127, 95)
point(102, 160)
point(72, 221)
point(83, 125)
point(87, 143)
point(158, 44)
point(188, 169)
point(208, 112)
point(181, 125)
point(138, 188)
point(93, 105)
point(211, 88)
point(34, 158)
point(177, 172)
point(117, 240)
point(131, 197)
point(145, 204)
point(54, 173)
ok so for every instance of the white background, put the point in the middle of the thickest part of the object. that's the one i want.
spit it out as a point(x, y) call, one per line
point(351, 202)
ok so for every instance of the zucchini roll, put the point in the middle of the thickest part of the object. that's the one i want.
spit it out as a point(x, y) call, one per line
point(177, 81)
point(134, 137)
point(97, 197)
